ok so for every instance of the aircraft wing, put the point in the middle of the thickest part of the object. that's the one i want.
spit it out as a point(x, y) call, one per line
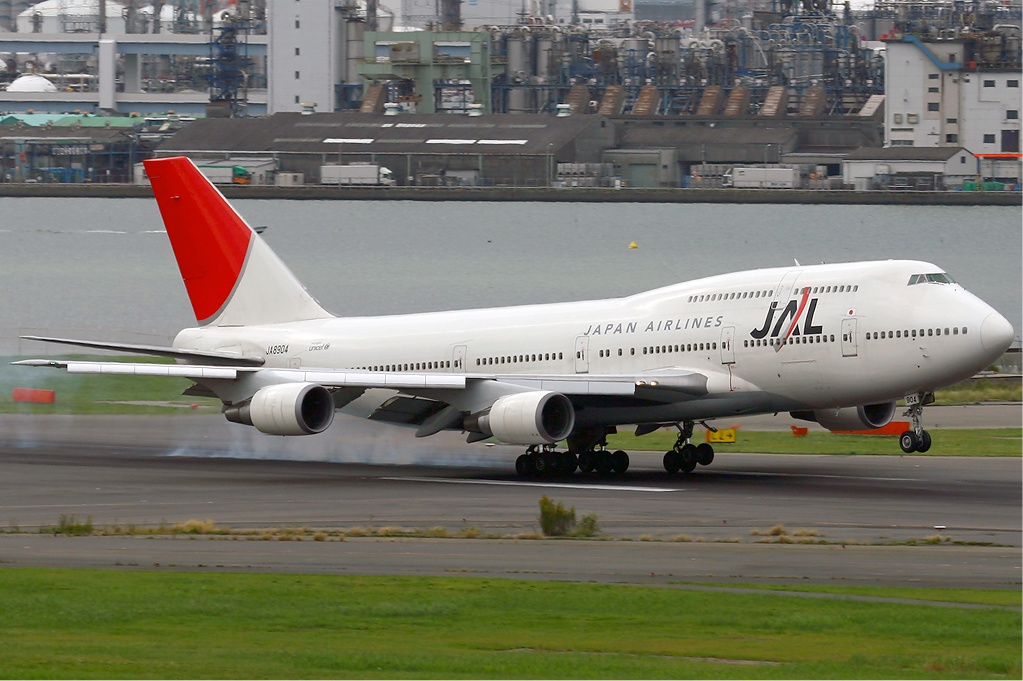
point(674, 380)
point(218, 358)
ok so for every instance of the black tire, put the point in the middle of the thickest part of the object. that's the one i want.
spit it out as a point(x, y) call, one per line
point(604, 462)
point(687, 455)
point(704, 454)
point(586, 462)
point(909, 442)
point(523, 466)
point(619, 462)
point(541, 465)
point(672, 461)
point(925, 442)
point(569, 463)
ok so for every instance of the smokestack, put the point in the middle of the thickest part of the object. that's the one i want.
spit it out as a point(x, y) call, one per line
point(451, 15)
point(371, 15)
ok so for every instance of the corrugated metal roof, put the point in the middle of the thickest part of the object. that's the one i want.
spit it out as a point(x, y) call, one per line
point(373, 133)
point(903, 153)
point(672, 135)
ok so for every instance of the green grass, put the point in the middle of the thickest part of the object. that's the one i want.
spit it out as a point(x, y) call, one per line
point(981, 390)
point(100, 394)
point(966, 442)
point(148, 624)
point(995, 597)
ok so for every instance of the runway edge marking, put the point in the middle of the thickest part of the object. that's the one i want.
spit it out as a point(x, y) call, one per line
point(557, 485)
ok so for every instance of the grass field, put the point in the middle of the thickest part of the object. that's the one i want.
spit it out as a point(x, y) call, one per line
point(971, 442)
point(134, 624)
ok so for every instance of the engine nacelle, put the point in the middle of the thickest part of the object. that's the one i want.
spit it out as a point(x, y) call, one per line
point(287, 409)
point(865, 417)
point(531, 418)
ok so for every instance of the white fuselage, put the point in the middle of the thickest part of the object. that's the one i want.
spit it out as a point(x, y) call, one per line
point(837, 336)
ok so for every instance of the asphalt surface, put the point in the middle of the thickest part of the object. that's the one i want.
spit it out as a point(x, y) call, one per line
point(706, 527)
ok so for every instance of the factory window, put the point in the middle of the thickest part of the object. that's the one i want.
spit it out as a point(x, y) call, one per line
point(933, 76)
point(952, 121)
point(912, 118)
point(296, 99)
point(1012, 83)
point(932, 89)
point(952, 58)
point(989, 139)
point(989, 83)
point(298, 75)
point(1012, 114)
point(298, 51)
point(902, 143)
point(897, 118)
point(933, 106)
point(298, 24)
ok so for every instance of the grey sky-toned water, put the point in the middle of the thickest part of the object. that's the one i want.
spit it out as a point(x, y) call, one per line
point(103, 268)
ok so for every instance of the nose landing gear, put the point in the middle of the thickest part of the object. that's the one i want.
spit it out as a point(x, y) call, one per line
point(917, 439)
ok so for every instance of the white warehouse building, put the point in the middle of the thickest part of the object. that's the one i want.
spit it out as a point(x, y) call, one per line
point(956, 92)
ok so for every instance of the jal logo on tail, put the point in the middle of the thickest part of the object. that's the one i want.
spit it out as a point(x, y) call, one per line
point(791, 315)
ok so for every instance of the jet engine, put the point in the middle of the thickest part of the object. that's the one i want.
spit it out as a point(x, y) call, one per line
point(865, 417)
point(529, 418)
point(286, 409)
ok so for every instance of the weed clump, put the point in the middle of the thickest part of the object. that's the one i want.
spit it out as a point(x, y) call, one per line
point(70, 526)
point(557, 521)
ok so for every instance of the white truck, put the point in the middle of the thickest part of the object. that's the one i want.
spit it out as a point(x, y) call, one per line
point(760, 178)
point(361, 174)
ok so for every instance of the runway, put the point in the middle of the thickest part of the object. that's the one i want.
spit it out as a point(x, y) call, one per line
point(656, 529)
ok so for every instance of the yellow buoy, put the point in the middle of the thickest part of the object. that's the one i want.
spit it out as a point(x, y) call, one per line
point(633, 245)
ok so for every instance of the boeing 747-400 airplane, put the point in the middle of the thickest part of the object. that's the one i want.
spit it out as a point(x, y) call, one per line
point(836, 344)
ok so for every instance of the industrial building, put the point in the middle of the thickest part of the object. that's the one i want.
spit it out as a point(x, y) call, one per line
point(116, 56)
point(428, 149)
point(920, 169)
point(669, 94)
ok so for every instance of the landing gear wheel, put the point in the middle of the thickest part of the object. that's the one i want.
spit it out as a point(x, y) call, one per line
point(925, 442)
point(523, 466)
point(909, 441)
point(704, 454)
point(587, 462)
point(541, 465)
point(604, 462)
point(619, 462)
point(672, 461)
point(569, 462)
point(688, 458)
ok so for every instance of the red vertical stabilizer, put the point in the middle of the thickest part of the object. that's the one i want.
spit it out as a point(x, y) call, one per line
point(209, 238)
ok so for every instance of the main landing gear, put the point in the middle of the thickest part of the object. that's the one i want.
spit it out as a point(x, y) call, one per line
point(685, 456)
point(587, 452)
point(917, 439)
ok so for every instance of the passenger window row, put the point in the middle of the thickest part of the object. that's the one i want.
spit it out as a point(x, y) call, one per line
point(730, 296)
point(792, 340)
point(411, 366)
point(913, 333)
point(847, 288)
point(519, 359)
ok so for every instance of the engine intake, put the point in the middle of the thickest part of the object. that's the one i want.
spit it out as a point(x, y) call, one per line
point(864, 417)
point(286, 409)
point(530, 418)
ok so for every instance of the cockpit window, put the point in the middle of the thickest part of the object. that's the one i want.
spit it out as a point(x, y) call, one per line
point(936, 278)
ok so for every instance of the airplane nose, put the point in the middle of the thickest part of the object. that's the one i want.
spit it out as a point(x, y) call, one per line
point(996, 333)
